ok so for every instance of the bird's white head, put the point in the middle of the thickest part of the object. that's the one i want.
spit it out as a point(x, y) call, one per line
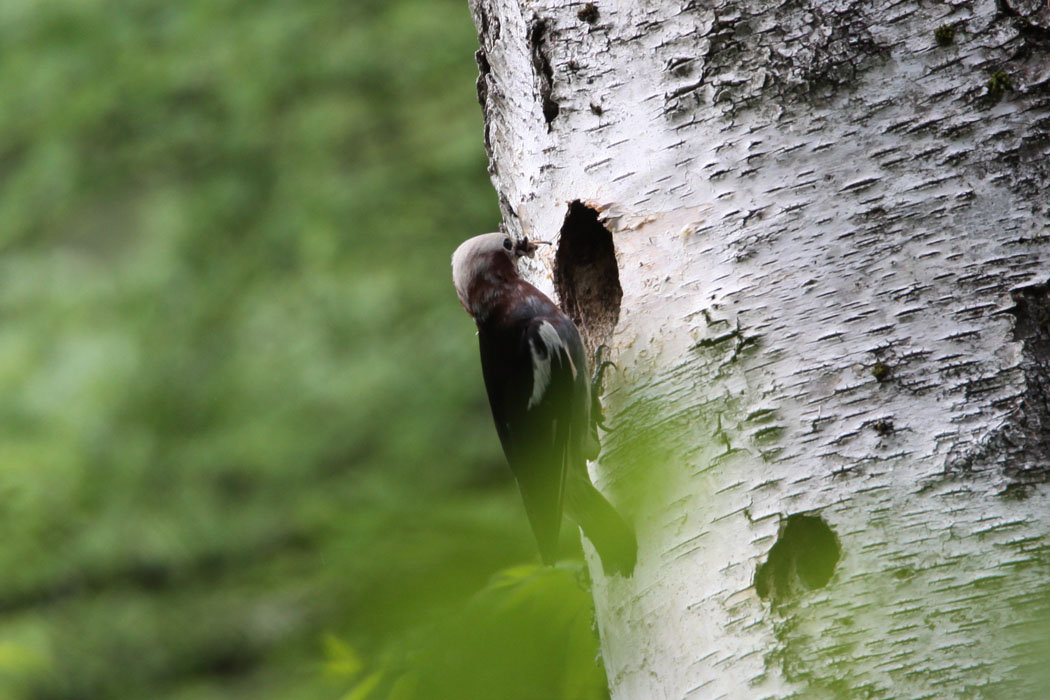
point(483, 265)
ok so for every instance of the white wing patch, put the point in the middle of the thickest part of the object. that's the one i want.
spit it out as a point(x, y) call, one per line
point(541, 361)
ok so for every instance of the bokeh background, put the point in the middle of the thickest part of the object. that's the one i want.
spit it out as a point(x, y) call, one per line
point(244, 445)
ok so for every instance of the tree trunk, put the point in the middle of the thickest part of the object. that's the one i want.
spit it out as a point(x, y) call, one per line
point(826, 296)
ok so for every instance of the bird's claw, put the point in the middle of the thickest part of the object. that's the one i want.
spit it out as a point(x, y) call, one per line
point(598, 386)
point(598, 378)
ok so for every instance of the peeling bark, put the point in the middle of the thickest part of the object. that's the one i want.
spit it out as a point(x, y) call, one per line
point(831, 228)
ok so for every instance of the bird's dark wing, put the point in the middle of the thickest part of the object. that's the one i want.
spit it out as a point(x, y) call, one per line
point(532, 399)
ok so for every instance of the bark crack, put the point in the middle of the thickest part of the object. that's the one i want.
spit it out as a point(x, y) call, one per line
point(1022, 442)
point(541, 65)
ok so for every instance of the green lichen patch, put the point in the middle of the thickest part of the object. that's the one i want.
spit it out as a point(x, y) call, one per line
point(945, 35)
point(881, 371)
point(998, 84)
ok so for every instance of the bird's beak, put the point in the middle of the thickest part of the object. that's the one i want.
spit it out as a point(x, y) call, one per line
point(527, 248)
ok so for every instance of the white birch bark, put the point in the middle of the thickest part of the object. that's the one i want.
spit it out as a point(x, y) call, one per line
point(829, 230)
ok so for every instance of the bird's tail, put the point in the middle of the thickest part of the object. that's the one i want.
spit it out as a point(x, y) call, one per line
point(601, 524)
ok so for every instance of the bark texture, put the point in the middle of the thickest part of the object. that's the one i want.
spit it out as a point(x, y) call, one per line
point(829, 310)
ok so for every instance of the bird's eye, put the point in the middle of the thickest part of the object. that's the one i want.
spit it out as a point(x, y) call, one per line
point(507, 244)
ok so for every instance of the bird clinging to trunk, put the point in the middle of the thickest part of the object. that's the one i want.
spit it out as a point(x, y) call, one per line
point(535, 371)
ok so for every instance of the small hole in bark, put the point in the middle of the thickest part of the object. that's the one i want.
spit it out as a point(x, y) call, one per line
point(586, 276)
point(588, 13)
point(803, 558)
point(904, 573)
point(883, 426)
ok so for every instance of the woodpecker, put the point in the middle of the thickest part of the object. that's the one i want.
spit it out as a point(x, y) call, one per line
point(535, 371)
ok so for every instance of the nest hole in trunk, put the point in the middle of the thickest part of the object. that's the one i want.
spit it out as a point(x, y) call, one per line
point(586, 276)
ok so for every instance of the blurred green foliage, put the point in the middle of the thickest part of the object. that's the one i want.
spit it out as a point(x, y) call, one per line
point(528, 635)
point(242, 427)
